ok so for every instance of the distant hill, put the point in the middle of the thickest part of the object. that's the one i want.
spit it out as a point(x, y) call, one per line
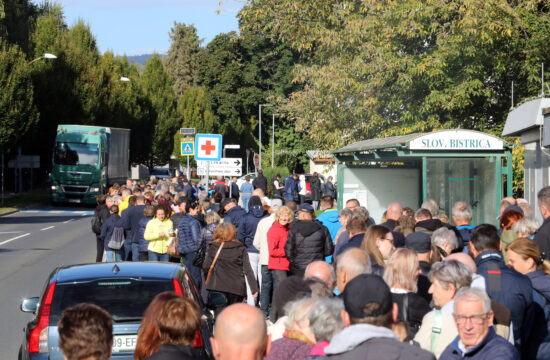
point(141, 59)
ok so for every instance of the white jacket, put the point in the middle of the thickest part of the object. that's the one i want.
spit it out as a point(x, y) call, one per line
point(260, 238)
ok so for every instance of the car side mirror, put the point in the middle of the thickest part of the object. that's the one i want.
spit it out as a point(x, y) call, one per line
point(29, 304)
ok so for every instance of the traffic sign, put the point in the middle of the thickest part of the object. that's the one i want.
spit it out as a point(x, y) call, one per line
point(224, 167)
point(187, 131)
point(187, 148)
point(257, 160)
point(220, 171)
point(209, 147)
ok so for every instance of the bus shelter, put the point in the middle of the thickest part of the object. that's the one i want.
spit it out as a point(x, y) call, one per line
point(446, 165)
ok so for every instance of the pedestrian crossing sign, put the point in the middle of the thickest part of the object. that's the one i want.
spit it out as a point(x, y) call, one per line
point(187, 148)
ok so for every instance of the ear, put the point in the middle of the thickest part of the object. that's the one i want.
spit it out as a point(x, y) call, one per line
point(394, 312)
point(490, 317)
point(345, 318)
point(267, 345)
point(215, 350)
point(452, 287)
point(472, 249)
point(500, 245)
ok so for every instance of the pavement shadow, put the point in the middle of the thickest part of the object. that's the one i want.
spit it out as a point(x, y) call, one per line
point(30, 219)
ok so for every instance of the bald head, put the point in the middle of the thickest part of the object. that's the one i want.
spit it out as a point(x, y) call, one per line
point(322, 271)
point(394, 211)
point(258, 192)
point(240, 332)
point(463, 258)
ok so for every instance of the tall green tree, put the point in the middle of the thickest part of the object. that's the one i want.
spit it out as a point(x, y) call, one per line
point(16, 21)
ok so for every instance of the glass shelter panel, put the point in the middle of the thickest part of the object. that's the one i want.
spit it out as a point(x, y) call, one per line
point(464, 179)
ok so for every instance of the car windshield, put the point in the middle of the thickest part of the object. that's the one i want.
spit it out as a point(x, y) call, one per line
point(161, 172)
point(66, 153)
point(125, 299)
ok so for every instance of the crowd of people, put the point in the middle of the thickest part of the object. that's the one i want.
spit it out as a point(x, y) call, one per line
point(304, 281)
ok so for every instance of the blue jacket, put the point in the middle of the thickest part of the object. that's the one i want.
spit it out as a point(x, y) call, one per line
point(246, 189)
point(539, 317)
point(189, 191)
point(508, 287)
point(248, 225)
point(466, 233)
point(492, 347)
point(235, 215)
point(330, 219)
point(130, 221)
point(107, 229)
point(355, 241)
point(189, 231)
point(143, 244)
point(290, 188)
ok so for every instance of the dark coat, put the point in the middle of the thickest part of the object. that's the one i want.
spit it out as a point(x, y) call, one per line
point(228, 274)
point(540, 315)
point(143, 244)
point(355, 241)
point(508, 287)
point(315, 185)
point(221, 188)
point(492, 347)
point(260, 182)
point(412, 308)
point(248, 225)
point(207, 234)
point(172, 352)
point(390, 224)
point(542, 237)
point(102, 211)
point(130, 221)
point(107, 229)
point(189, 231)
point(189, 191)
point(235, 190)
point(235, 215)
point(176, 218)
point(290, 188)
point(308, 241)
point(329, 189)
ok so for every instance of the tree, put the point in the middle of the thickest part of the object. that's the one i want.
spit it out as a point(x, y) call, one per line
point(183, 55)
point(16, 20)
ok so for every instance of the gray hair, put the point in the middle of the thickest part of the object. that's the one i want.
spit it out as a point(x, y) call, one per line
point(543, 196)
point(451, 272)
point(473, 294)
point(354, 262)
point(444, 235)
point(298, 311)
point(431, 205)
point(462, 211)
point(362, 212)
point(325, 319)
point(345, 212)
point(527, 211)
point(526, 225)
point(164, 187)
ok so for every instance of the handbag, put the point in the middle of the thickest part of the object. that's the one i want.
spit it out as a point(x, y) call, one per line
point(214, 263)
point(173, 247)
point(117, 238)
point(201, 254)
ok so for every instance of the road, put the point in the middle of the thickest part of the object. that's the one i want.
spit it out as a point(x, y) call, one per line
point(32, 244)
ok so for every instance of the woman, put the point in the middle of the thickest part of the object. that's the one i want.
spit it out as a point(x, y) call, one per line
point(401, 275)
point(101, 212)
point(315, 184)
point(111, 255)
point(157, 232)
point(524, 256)
point(303, 189)
point(342, 235)
point(148, 213)
point(298, 340)
point(227, 273)
point(447, 278)
point(526, 227)
point(325, 320)
point(207, 233)
point(276, 239)
point(329, 188)
point(189, 232)
point(508, 219)
point(148, 340)
point(378, 243)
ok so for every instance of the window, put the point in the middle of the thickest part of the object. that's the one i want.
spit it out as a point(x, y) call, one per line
point(76, 154)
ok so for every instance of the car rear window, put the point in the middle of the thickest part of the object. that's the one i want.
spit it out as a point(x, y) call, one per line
point(125, 299)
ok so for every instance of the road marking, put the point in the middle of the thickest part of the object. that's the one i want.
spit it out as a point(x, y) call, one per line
point(11, 232)
point(64, 222)
point(15, 238)
point(77, 212)
point(47, 228)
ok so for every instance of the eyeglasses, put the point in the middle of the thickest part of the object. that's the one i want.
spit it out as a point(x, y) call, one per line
point(477, 319)
point(390, 240)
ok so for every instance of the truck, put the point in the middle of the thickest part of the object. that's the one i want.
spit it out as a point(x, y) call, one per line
point(86, 160)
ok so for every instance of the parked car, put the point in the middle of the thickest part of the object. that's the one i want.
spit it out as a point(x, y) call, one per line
point(123, 289)
point(162, 173)
point(308, 185)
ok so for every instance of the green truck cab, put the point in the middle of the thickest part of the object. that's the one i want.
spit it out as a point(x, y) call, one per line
point(86, 160)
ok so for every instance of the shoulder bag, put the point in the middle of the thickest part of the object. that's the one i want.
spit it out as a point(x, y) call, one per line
point(214, 262)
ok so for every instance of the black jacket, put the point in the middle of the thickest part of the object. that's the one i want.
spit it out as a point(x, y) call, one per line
point(412, 308)
point(354, 242)
point(260, 182)
point(542, 237)
point(235, 215)
point(308, 241)
point(102, 211)
point(249, 224)
point(315, 184)
point(130, 222)
point(172, 352)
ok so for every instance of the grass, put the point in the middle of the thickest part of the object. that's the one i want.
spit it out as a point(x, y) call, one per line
point(14, 202)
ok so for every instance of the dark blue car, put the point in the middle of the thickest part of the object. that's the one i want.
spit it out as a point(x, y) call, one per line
point(123, 289)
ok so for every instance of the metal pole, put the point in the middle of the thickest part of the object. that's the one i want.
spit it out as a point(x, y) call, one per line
point(188, 170)
point(273, 142)
point(247, 153)
point(2, 179)
point(260, 137)
point(207, 175)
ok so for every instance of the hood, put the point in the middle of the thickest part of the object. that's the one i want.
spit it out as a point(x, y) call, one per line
point(305, 227)
point(430, 224)
point(329, 216)
point(257, 211)
point(354, 335)
point(540, 282)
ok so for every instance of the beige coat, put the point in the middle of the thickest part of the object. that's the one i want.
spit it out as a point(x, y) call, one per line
point(448, 332)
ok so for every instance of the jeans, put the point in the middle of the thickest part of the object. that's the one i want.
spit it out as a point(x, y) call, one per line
point(143, 256)
point(254, 259)
point(315, 204)
point(113, 255)
point(245, 200)
point(135, 251)
point(99, 248)
point(194, 271)
point(266, 290)
point(278, 276)
point(155, 256)
point(127, 250)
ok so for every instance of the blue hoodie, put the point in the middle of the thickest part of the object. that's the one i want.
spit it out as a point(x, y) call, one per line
point(249, 224)
point(330, 219)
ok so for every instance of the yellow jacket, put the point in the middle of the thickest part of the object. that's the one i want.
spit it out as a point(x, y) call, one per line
point(124, 205)
point(158, 244)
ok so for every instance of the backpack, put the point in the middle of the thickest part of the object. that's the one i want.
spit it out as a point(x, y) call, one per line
point(97, 223)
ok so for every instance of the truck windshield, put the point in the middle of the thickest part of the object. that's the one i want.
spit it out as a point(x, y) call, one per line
point(66, 153)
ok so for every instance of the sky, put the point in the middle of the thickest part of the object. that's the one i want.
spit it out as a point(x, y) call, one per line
point(136, 27)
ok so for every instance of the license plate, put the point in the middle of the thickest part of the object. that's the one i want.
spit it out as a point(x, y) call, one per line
point(123, 343)
point(74, 200)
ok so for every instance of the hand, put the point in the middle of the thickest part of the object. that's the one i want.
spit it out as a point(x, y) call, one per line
point(255, 295)
point(162, 234)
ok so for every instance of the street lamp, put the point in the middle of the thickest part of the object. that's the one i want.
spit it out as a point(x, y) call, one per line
point(124, 79)
point(260, 133)
point(273, 142)
point(45, 56)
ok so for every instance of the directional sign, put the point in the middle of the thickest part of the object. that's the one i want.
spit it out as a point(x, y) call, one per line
point(187, 131)
point(220, 171)
point(209, 147)
point(224, 167)
point(223, 162)
point(187, 148)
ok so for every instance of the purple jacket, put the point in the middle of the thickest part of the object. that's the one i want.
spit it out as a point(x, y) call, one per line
point(289, 349)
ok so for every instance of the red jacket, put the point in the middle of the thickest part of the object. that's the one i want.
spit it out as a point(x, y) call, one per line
point(276, 240)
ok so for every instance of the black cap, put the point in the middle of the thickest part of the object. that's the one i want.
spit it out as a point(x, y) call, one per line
point(514, 208)
point(419, 242)
point(306, 207)
point(365, 289)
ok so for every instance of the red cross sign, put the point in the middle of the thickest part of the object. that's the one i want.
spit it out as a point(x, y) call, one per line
point(209, 147)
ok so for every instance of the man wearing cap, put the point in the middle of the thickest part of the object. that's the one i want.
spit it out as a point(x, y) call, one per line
point(368, 316)
point(308, 240)
point(233, 212)
point(421, 243)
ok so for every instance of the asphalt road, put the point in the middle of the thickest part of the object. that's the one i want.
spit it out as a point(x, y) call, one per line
point(32, 244)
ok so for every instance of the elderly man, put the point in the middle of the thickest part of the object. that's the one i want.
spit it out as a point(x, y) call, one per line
point(462, 217)
point(323, 271)
point(476, 338)
point(350, 264)
point(240, 333)
point(393, 213)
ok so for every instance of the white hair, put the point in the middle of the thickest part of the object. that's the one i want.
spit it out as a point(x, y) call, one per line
point(444, 235)
point(473, 294)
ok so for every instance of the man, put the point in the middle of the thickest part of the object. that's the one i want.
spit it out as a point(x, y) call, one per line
point(393, 213)
point(277, 187)
point(240, 333)
point(422, 245)
point(542, 236)
point(233, 212)
point(356, 229)
point(352, 204)
point(101, 213)
point(189, 229)
point(221, 187)
point(368, 316)
point(432, 206)
point(350, 264)
point(126, 194)
point(234, 189)
point(329, 216)
point(130, 223)
point(260, 193)
point(503, 284)
point(260, 243)
point(176, 218)
point(462, 217)
point(260, 182)
point(308, 240)
point(476, 338)
point(188, 188)
point(321, 270)
point(291, 187)
point(85, 332)
point(246, 192)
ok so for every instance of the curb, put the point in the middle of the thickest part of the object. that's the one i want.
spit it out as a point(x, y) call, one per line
point(9, 213)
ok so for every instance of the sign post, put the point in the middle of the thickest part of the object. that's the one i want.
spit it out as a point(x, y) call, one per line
point(209, 148)
point(187, 147)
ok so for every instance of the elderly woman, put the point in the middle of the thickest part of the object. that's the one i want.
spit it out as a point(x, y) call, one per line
point(298, 339)
point(342, 236)
point(276, 239)
point(526, 227)
point(401, 275)
point(508, 219)
point(445, 241)
point(325, 320)
point(438, 328)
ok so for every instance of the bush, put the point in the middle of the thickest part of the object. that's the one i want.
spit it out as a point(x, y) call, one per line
point(269, 173)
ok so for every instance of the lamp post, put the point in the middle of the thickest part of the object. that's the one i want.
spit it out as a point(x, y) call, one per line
point(273, 142)
point(124, 79)
point(260, 133)
point(45, 56)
